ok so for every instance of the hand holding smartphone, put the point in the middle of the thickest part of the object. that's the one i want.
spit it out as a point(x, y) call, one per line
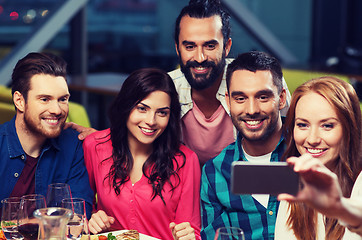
point(272, 178)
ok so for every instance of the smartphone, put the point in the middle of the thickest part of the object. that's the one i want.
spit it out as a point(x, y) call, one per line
point(271, 178)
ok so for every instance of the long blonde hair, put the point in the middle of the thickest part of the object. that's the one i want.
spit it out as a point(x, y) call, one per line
point(347, 166)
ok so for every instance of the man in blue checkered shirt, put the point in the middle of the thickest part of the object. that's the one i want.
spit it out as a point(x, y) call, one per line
point(255, 94)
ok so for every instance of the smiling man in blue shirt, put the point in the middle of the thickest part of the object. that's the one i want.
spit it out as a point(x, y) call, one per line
point(35, 150)
point(255, 96)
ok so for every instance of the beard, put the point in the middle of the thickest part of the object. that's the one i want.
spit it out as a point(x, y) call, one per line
point(203, 81)
point(257, 135)
point(38, 129)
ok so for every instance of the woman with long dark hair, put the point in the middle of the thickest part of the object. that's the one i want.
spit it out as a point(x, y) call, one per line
point(323, 127)
point(145, 179)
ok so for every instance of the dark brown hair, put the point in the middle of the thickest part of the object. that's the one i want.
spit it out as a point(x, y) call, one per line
point(36, 63)
point(256, 61)
point(161, 163)
point(205, 9)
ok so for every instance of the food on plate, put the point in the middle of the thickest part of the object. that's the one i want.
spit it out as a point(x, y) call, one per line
point(96, 237)
point(129, 235)
point(92, 237)
point(102, 237)
point(110, 236)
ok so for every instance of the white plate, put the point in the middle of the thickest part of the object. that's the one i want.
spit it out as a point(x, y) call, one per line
point(142, 236)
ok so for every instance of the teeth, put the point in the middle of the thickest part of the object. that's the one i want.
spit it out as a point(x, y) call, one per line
point(148, 130)
point(314, 150)
point(52, 120)
point(253, 122)
point(200, 68)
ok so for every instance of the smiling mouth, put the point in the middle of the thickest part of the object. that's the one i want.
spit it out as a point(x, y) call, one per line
point(200, 70)
point(314, 150)
point(52, 121)
point(253, 124)
point(148, 131)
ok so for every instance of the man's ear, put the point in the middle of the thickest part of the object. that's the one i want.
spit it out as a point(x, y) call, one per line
point(19, 101)
point(228, 46)
point(282, 99)
point(227, 98)
point(176, 47)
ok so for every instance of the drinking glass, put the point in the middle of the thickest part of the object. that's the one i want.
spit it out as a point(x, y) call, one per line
point(226, 233)
point(78, 224)
point(28, 225)
point(9, 218)
point(56, 193)
point(52, 223)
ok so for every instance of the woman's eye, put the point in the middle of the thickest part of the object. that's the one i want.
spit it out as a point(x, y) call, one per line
point(328, 125)
point(162, 113)
point(141, 109)
point(301, 125)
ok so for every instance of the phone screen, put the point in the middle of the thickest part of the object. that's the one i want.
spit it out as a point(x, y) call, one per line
point(272, 178)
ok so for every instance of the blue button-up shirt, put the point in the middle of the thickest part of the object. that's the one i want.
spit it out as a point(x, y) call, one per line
point(220, 207)
point(60, 161)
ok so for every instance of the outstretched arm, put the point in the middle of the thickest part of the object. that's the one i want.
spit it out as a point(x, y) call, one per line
point(321, 190)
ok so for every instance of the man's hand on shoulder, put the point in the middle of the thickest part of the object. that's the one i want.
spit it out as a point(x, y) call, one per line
point(83, 131)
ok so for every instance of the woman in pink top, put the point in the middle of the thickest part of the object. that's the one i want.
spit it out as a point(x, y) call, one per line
point(145, 179)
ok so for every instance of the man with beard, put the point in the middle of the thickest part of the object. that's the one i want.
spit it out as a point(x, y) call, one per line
point(35, 150)
point(255, 96)
point(202, 41)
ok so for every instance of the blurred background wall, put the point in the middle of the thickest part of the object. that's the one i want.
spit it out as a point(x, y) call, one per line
point(120, 36)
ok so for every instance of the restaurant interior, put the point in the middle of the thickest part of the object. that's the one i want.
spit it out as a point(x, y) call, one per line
point(105, 40)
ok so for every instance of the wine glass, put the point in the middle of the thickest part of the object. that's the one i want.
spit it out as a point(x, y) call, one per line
point(226, 233)
point(28, 225)
point(56, 193)
point(9, 218)
point(78, 224)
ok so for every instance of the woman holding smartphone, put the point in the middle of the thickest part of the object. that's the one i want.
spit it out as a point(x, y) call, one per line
point(145, 179)
point(323, 128)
